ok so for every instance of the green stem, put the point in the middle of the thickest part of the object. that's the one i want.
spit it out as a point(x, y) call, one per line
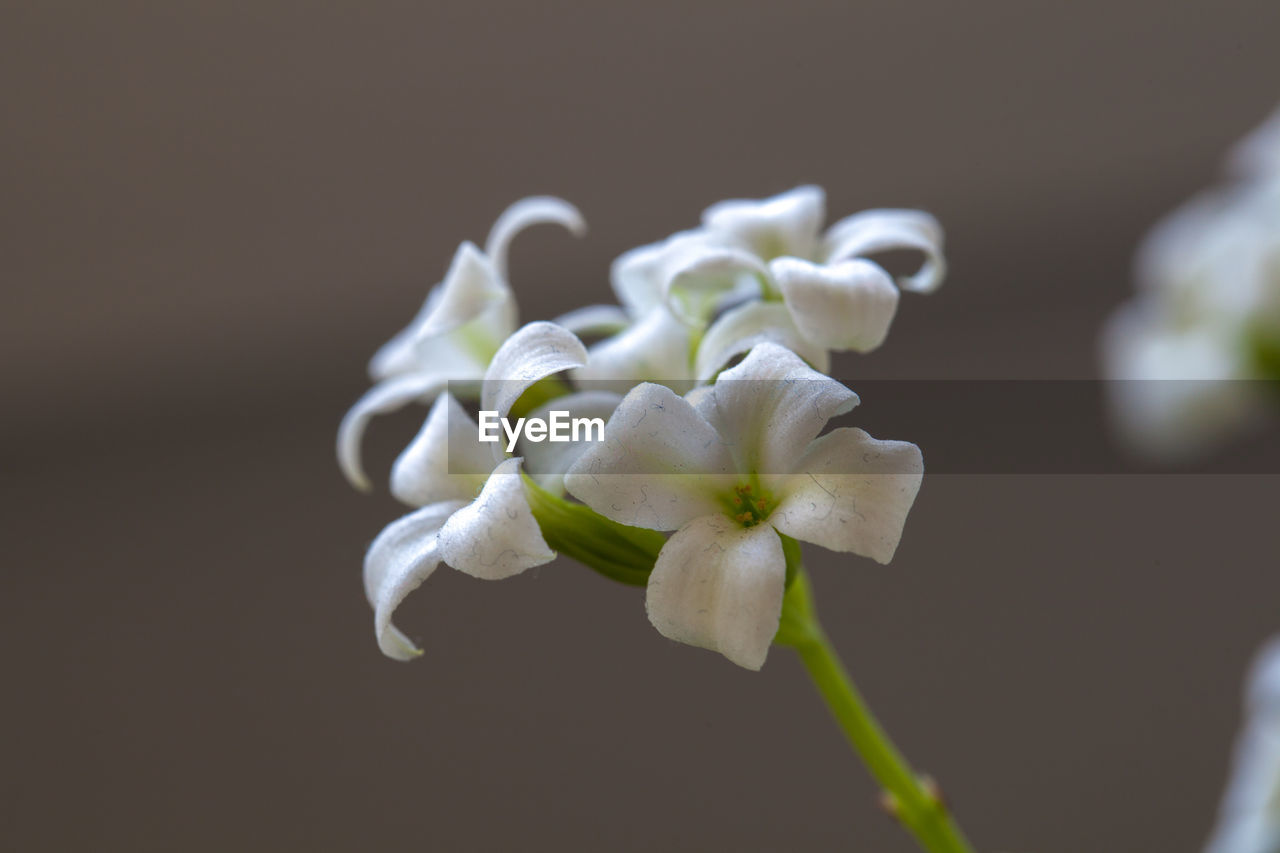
point(913, 801)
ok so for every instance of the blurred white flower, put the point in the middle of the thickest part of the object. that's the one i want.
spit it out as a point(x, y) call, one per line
point(474, 513)
point(1249, 820)
point(729, 467)
point(1207, 316)
point(456, 333)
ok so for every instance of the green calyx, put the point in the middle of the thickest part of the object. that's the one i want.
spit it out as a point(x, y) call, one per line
point(621, 553)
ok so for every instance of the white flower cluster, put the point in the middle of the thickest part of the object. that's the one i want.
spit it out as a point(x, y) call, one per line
point(731, 457)
point(1207, 316)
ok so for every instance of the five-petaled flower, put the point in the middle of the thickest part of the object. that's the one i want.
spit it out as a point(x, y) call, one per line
point(731, 466)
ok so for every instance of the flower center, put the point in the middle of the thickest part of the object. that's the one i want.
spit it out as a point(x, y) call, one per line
point(749, 506)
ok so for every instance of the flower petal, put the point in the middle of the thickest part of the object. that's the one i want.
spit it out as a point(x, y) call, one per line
point(594, 320)
point(535, 352)
point(660, 464)
point(495, 536)
point(445, 461)
point(741, 328)
point(707, 276)
point(770, 406)
point(1247, 818)
point(399, 560)
point(1175, 392)
point(639, 276)
point(851, 493)
point(655, 349)
point(547, 461)
point(397, 355)
point(874, 231)
point(846, 306)
point(472, 287)
point(786, 224)
point(534, 210)
point(719, 586)
point(387, 396)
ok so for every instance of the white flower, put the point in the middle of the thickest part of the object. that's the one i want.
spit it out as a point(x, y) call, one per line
point(729, 467)
point(461, 325)
point(836, 298)
point(1249, 820)
point(474, 514)
point(1184, 351)
point(657, 346)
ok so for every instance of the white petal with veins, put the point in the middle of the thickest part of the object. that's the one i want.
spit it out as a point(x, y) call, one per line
point(496, 535)
point(846, 306)
point(535, 352)
point(719, 586)
point(659, 466)
point(851, 493)
point(399, 560)
point(770, 406)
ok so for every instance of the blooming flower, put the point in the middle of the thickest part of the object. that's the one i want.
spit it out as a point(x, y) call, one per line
point(474, 515)
point(835, 297)
point(461, 325)
point(1249, 821)
point(729, 467)
point(1207, 317)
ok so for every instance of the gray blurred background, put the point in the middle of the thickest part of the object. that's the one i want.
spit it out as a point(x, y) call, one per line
point(213, 213)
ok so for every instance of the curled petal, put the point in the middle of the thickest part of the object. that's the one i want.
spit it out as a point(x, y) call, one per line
point(445, 461)
point(399, 560)
point(655, 349)
point(594, 320)
point(786, 224)
point(846, 306)
point(495, 536)
point(770, 406)
point(851, 493)
point(706, 277)
point(547, 461)
point(743, 327)
point(639, 276)
point(719, 586)
point(387, 396)
point(472, 287)
point(874, 231)
point(660, 464)
point(534, 210)
point(535, 352)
